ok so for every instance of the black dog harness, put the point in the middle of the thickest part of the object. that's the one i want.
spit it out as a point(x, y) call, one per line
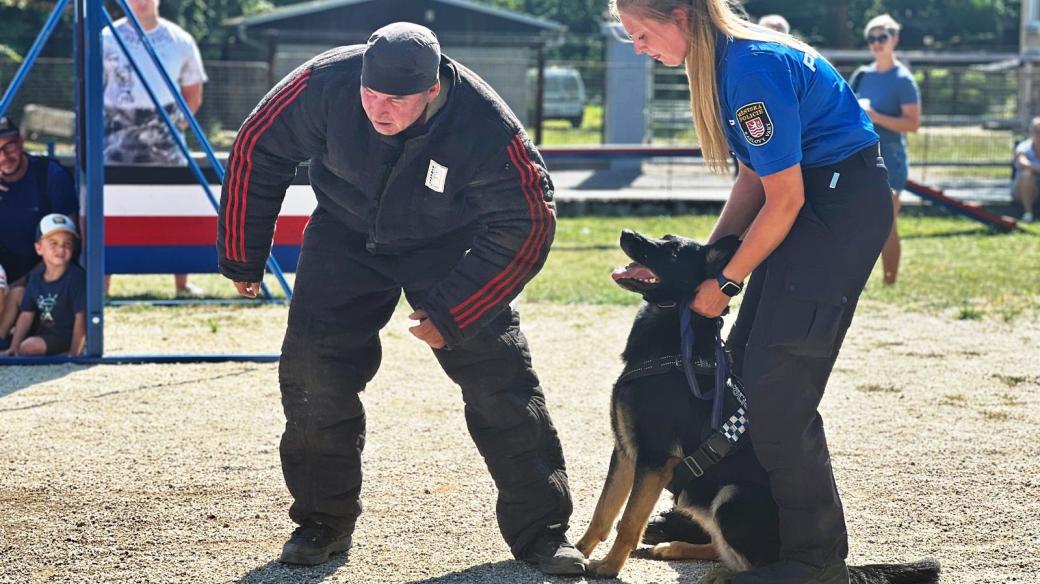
point(727, 396)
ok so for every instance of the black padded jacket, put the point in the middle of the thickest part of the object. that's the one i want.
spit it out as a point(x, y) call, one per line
point(470, 171)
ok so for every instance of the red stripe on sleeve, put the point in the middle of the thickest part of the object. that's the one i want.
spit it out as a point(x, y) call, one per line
point(521, 265)
point(238, 185)
point(469, 302)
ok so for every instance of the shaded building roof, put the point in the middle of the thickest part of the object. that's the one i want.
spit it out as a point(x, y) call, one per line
point(349, 21)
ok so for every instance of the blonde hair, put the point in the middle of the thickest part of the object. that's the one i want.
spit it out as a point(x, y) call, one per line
point(706, 19)
point(884, 21)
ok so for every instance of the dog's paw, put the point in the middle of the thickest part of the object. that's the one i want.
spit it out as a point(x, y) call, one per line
point(718, 575)
point(662, 551)
point(586, 545)
point(602, 569)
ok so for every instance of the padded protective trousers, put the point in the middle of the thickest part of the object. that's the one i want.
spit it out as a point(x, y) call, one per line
point(791, 324)
point(343, 297)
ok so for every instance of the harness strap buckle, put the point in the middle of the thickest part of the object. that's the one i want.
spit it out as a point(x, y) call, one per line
point(710, 452)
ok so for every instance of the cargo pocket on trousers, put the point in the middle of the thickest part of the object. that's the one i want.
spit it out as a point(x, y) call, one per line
point(808, 314)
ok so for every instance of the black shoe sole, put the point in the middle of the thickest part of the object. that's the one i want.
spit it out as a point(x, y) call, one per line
point(562, 568)
point(314, 558)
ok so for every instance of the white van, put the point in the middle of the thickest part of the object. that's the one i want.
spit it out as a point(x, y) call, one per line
point(564, 97)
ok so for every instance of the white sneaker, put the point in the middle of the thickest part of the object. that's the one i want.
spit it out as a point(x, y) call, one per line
point(1027, 217)
point(191, 291)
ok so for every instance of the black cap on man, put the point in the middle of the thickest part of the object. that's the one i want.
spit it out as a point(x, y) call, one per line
point(401, 59)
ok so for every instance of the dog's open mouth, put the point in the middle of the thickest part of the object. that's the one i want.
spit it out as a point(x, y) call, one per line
point(635, 277)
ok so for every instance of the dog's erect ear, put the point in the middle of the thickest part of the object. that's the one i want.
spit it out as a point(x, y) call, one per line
point(719, 254)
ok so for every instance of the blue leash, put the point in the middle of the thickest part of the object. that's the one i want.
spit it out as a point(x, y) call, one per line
point(716, 394)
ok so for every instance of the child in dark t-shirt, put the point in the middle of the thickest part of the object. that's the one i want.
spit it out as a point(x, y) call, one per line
point(3, 304)
point(52, 319)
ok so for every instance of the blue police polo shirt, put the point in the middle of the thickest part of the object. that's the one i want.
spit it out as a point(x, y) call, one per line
point(782, 107)
point(21, 208)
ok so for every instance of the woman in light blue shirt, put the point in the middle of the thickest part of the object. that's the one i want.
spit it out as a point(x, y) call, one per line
point(889, 94)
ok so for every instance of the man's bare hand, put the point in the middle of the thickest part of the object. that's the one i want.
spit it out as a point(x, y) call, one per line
point(425, 331)
point(248, 289)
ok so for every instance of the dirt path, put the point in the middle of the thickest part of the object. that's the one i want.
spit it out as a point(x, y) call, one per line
point(170, 473)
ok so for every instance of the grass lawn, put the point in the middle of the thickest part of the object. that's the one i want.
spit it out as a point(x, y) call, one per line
point(950, 266)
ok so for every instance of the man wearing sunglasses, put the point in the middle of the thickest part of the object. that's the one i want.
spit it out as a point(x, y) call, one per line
point(30, 188)
point(889, 94)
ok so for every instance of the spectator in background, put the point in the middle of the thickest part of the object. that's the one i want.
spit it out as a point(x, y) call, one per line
point(1027, 170)
point(30, 188)
point(134, 131)
point(775, 22)
point(3, 305)
point(53, 317)
point(889, 94)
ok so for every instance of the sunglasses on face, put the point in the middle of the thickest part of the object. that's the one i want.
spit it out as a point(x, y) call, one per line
point(881, 38)
point(10, 149)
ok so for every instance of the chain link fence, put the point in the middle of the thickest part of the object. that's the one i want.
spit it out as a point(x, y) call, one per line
point(233, 90)
point(973, 112)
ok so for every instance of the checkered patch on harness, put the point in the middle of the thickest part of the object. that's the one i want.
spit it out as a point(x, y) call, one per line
point(735, 426)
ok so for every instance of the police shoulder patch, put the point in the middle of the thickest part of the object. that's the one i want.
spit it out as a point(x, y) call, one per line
point(754, 120)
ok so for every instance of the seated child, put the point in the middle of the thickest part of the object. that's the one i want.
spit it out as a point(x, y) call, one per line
point(53, 316)
point(11, 294)
point(3, 303)
point(1027, 171)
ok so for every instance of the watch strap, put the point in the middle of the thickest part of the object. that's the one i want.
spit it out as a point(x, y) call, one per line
point(729, 287)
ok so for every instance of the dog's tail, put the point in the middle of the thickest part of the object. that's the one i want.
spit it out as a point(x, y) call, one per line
point(924, 571)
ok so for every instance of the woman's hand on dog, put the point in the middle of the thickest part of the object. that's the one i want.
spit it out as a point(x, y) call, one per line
point(709, 300)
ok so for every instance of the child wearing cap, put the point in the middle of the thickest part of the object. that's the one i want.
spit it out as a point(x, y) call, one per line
point(3, 303)
point(52, 319)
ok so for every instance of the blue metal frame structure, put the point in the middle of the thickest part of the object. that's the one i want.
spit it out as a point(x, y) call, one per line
point(90, 18)
point(272, 264)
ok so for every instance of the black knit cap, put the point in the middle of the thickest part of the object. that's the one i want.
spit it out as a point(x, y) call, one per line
point(401, 59)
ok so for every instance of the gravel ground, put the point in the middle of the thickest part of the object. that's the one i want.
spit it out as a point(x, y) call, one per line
point(163, 473)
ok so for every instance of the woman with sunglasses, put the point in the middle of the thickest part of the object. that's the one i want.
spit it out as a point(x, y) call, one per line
point(889, 94)
point(812, 203)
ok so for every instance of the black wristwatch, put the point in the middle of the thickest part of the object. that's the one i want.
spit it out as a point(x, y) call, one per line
point(728, 287)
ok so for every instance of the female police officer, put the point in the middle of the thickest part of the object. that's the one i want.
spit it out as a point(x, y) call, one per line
point(813, 206)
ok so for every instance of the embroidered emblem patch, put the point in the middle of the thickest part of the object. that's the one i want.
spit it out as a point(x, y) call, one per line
point(754, 120)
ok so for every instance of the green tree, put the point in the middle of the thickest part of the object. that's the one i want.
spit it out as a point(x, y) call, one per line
point(22, 21)
point(936, 24)
point(203, 19)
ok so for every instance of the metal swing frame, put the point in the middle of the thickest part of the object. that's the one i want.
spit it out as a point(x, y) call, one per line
point(91, 18)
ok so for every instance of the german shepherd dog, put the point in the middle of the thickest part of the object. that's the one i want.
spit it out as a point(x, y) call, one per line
point(656, 419)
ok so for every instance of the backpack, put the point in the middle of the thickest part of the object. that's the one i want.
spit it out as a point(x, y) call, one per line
point(857, 76)
point(42, 174)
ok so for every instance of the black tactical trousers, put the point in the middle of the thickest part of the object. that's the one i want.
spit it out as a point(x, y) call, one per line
point(343, 297)
point(791, 324)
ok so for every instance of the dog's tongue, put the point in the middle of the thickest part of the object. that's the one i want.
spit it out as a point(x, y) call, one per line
point(633, 271)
